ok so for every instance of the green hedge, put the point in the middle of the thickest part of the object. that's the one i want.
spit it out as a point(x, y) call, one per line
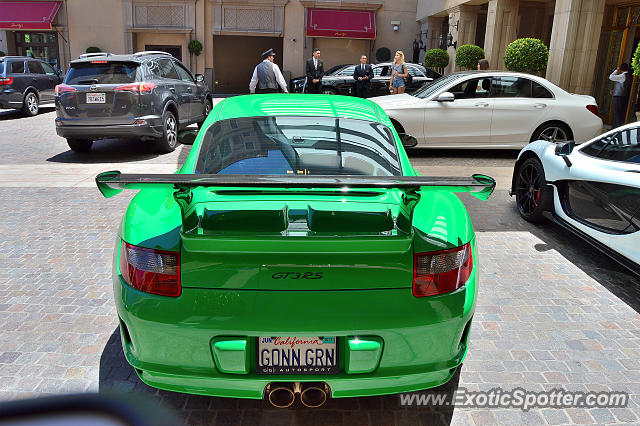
point(436, 58)
point(468, 55)
point(383, 54)
point(526, 55)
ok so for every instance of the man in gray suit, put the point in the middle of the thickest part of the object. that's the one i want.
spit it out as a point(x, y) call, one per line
point(267, 76)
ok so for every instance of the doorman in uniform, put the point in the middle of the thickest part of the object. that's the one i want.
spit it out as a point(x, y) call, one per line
point(267, 76)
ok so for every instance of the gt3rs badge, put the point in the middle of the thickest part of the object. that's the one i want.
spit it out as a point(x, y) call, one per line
point(297, 275)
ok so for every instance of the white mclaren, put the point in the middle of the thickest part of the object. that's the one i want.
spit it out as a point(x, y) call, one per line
point(491, 109)
point(592, 189)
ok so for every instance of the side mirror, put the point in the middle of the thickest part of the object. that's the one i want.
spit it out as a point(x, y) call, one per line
point(564, 150)
point(445, 97)
point(408, 141)
point(187, 137)
point(199, 78)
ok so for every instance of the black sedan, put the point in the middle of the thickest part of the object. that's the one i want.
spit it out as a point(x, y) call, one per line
point(339, 80)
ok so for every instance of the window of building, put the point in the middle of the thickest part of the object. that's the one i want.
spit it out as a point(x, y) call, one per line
point(43, 46)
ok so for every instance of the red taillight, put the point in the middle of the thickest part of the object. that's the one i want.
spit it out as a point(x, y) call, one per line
point(151, 271)
point(98, 62)
point(5, 81)
point(137, 87)
point(593, 109)
point(442, 271)
point(63, 88)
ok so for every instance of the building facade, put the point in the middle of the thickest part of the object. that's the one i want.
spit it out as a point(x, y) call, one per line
point(233, 33)
point(587, 39)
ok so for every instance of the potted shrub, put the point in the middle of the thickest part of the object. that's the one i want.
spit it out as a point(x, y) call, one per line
point(93, 49)
point(528, 55)
point(383, 54)
point(436, 59)
point(468, 55)
point(635, 66)
point(195, 47)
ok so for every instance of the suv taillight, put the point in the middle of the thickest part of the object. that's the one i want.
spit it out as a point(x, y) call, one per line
point(63, 88)
point(137, 87)
point(6, 81)
point(442, 271)
point(151, 271)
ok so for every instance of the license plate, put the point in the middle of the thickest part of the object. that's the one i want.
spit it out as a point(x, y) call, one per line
point(95, 98)
point(297, 355)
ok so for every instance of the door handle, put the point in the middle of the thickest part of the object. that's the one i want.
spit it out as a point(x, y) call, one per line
point(481, 105)
point(540, 106)
point(189, 90)
point(172, 89)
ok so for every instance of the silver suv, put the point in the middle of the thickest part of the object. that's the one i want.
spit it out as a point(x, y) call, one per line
point(145, 95)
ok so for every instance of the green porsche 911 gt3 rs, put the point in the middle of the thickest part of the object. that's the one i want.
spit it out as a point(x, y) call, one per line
point(295, 253)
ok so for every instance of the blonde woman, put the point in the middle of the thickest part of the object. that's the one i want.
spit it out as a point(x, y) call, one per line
point(398, 73)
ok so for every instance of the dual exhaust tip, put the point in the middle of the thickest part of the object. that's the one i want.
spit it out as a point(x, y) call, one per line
point(283, 395)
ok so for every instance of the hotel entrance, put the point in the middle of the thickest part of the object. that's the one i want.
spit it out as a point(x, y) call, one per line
point(618, 40)
point(43, 46)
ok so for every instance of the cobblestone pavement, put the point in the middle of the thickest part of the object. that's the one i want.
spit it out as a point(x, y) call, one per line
point(552, 312)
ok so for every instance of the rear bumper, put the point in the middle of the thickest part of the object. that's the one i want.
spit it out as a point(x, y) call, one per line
point(69, 129)
point(169, 340)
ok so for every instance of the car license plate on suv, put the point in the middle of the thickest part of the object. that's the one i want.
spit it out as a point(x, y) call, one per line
point(297, 355)
point(95, 98)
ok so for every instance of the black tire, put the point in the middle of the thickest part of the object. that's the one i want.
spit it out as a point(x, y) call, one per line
point(552, 132)
point(169, 140)
point(533, 195)
point(30, 104)
point(329, 91)
point(80, 145)
point(207, 110)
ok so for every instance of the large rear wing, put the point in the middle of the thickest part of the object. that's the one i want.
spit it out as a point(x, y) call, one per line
point(112, 183)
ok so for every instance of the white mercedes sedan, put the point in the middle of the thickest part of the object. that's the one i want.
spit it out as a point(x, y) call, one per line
point(492, 109)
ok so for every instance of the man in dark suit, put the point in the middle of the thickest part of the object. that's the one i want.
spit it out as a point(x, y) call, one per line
point(315, 70)
point(363, 75)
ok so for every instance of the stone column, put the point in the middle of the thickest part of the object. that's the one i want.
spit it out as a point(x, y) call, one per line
point(573, 49)
point(466, 18)
point(502, 20)
point(433, 30)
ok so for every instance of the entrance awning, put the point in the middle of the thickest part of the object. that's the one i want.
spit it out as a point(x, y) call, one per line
point(339, 23)
point(30, 15)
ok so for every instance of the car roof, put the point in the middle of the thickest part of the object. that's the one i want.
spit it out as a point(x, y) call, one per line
point(299, 104)
point(2, 58)
point(133, 57)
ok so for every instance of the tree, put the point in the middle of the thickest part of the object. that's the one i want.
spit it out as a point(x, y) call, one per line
point(436, 58)
point(468, 55)
point(526, 55)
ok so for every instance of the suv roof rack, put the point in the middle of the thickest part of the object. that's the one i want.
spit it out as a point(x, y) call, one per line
point(91, 55)
point(151, 52)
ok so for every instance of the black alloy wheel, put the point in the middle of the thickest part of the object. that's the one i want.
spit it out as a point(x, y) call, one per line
point(533, 196)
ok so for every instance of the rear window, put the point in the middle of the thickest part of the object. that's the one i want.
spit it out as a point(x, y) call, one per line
point(103, 73)
point(17, 67)
point(298, 146)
